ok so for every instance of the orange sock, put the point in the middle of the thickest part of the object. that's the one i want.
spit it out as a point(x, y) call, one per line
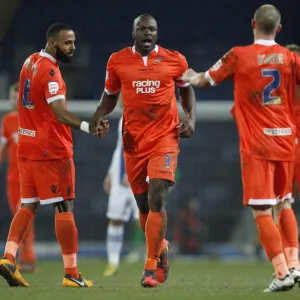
point(289, 232)
point(156, 226)
point(143, 220)
point(270, 239)
point(21, 222)
point(27, 252)
point(280, 266)
point(67, 236)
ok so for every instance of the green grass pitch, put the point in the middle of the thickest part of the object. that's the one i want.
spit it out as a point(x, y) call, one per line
point(195, 280)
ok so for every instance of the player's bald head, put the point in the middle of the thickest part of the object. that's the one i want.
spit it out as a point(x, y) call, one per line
point(267, 18)
point(141, 18)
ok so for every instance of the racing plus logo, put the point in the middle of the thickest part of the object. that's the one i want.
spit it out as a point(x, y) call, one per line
point(146, 86)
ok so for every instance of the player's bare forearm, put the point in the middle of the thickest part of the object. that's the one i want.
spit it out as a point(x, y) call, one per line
point(69, 119)
point(188, 101)
point(200, 80)
point(3, 152)
point(63, 115)
point(107, 104)
point(195, 79)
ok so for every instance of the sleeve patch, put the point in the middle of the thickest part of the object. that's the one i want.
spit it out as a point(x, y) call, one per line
point(53, 87)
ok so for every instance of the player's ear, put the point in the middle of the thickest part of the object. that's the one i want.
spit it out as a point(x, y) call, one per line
point(51, 42)
point(253, 24)
point(133, 35)
point(279, 28)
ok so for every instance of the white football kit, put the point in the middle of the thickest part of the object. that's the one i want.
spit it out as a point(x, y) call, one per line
point(121, 203)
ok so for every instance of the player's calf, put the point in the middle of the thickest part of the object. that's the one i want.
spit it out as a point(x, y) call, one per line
point(155, 231)
point(67, 236)
point(288, 228)
point(271, 240)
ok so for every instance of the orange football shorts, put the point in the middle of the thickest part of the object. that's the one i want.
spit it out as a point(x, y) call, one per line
point(160, 164)
point(266, 182)
point(47, 181)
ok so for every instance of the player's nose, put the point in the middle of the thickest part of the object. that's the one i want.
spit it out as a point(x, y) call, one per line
point(147, 31)
point(72, 47)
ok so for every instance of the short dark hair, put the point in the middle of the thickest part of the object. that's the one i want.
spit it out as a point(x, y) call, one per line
point(267, 18)
point(56, 28)
point(294, 48)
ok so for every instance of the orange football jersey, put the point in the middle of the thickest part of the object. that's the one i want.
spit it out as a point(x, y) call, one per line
point(147, 85)
point(10, 136)
point(297, 111)
point(41, 136)
point(297, 114)
point(265, 75)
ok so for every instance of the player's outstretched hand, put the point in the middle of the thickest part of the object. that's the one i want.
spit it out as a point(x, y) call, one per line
point(186, 128)
point(103, 128)
point(99, 126)
point(189, 76)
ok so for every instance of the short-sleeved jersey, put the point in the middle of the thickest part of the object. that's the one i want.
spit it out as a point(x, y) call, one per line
point(41, 136)
point(297, 111)
point(265, 75)
point(297, 116)
point(10, 137)
point(148, 91)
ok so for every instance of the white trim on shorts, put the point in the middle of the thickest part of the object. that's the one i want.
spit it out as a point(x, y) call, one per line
point(42, 202)
point(51, 200)
point(270, 201)
point(286, 197)
point(262, 202)
point(30, 200)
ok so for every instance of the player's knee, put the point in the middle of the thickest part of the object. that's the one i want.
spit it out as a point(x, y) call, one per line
point(63, 206)
point(285, 204)
point(158, 191)
point(142, 202)
point(32, 206)
point(259, 210)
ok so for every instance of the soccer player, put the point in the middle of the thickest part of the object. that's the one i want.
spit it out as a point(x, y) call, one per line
point(146, 75)
point(45, 153)
point(121, 205)
point(296, 49)
point(265, 75)
point(8, 147)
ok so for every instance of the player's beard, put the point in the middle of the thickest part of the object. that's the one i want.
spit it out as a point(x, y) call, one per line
point(61, 56)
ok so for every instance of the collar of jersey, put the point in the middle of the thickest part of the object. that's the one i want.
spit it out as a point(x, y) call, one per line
point(155, 49)
point(265, 42)
point(45, 54)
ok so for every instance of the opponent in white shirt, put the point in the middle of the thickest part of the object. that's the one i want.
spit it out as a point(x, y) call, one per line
point(121, 205)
